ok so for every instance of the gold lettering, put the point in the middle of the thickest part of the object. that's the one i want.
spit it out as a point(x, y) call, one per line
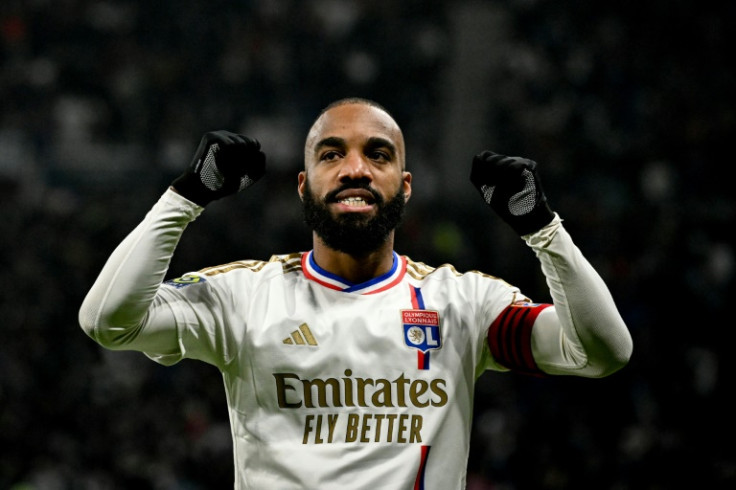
point(402, 427)
point(362, 382)
point(379, 417)
point(348, 388)
point(382, 395)
point(321, 386)
point(352, 427)
point(415, 434)
point(310, 428)
point(363, 392)
point(318, 432)
point(391, 417)
point(281, 388)
point(439, 391)
point(307, 428)
point(365, 427)
point(417, 389)
point(331, 423)
point(401, 382)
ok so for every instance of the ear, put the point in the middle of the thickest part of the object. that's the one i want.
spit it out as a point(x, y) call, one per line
point(406, 183)
point(301, 181)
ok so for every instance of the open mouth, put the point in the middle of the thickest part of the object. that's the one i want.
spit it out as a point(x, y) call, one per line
point(354, 201)
point(354, 198)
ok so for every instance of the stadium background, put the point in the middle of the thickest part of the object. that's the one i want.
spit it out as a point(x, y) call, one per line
point(628, 106)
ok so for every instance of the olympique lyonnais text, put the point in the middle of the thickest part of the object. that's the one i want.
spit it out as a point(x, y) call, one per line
point(420, 317)
point(293, 392)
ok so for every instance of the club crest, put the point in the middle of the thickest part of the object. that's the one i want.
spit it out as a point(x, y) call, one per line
point(421, 329)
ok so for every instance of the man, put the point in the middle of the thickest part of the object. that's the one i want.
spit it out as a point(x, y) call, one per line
point(351, 366)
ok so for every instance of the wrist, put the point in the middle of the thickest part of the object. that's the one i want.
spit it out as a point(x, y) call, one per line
point(174, 201)
point(541, 237)
point(190, 187)
point(535, 220)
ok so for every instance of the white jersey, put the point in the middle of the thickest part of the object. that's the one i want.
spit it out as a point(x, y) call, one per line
point(338, 385)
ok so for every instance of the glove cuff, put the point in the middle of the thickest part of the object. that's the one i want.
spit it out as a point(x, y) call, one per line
point(190, 186)
point(535, 220)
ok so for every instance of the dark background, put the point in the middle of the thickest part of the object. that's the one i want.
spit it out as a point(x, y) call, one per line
point(627, 106)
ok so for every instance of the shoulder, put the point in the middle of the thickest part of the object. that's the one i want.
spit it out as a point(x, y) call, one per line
point(420, 271)
point(279, 264)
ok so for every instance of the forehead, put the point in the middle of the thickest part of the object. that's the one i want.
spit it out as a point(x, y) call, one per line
point(355, 122)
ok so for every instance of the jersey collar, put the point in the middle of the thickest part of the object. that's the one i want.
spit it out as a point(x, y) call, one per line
point(315, 273)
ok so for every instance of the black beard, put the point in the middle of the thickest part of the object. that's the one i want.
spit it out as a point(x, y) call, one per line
point(352, 233)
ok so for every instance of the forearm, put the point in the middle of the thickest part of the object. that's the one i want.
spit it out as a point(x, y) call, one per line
point(124, 292)
point(584, 334)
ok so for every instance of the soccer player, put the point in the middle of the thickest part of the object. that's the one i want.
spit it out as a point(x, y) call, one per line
point(350, 365)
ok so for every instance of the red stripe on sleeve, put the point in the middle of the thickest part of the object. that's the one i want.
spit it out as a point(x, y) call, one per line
point(510, 334)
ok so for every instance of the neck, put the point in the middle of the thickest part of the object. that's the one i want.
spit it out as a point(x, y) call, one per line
point(356, 269)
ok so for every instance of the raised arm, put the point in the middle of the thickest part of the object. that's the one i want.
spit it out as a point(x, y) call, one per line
point(582, 333)
point(126, 308)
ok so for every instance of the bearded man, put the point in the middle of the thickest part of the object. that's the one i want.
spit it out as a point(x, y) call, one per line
point(350, 365)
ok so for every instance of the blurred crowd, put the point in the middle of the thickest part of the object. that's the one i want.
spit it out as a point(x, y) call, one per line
point(627, 106)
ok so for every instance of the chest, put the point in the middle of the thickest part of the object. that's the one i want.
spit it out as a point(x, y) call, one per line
point(320, 332)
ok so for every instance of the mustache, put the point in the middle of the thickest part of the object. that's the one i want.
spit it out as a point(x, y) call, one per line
point(354, 184)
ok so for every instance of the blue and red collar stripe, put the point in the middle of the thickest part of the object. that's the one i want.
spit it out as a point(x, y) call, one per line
point(386, 281)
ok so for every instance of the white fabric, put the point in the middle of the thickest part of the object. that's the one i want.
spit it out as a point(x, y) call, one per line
point(274, 332)
point(585, 334)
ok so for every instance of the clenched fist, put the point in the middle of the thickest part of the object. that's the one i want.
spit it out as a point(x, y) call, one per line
point(224, 163)
point(511, 186)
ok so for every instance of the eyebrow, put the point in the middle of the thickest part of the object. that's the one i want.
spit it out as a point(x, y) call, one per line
point(377, 142)
point(372, 143)
point(330, 141)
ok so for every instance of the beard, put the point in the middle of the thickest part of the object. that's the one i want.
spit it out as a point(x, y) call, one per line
point(353, 233)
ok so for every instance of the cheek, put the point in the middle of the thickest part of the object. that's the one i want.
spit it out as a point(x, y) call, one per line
point(315, 187)
point(392, 184)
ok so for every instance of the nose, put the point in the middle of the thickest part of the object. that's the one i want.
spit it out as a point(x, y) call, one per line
point(355, 167)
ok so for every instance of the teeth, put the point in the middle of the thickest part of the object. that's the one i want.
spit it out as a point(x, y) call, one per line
point(354, 201)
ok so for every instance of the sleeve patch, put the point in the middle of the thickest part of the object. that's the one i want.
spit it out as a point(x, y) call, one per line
point(509, 337)
point(185, 280)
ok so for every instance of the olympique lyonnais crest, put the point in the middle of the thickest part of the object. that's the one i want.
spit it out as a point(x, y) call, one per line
point(422, 329)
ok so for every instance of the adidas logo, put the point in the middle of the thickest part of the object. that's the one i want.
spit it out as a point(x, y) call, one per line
point(301, 336)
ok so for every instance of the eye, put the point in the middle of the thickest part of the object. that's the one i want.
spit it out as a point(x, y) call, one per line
point(379, 156)
point(330, 155)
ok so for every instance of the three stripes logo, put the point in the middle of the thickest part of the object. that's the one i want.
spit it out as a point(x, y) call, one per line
point(301, 336)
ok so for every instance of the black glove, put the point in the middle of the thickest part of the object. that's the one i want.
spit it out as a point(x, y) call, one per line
point(511, 186)
point(224, 163)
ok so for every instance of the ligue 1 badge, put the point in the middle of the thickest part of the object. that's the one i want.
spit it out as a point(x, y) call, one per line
point(422, 329)
point(185, 280)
